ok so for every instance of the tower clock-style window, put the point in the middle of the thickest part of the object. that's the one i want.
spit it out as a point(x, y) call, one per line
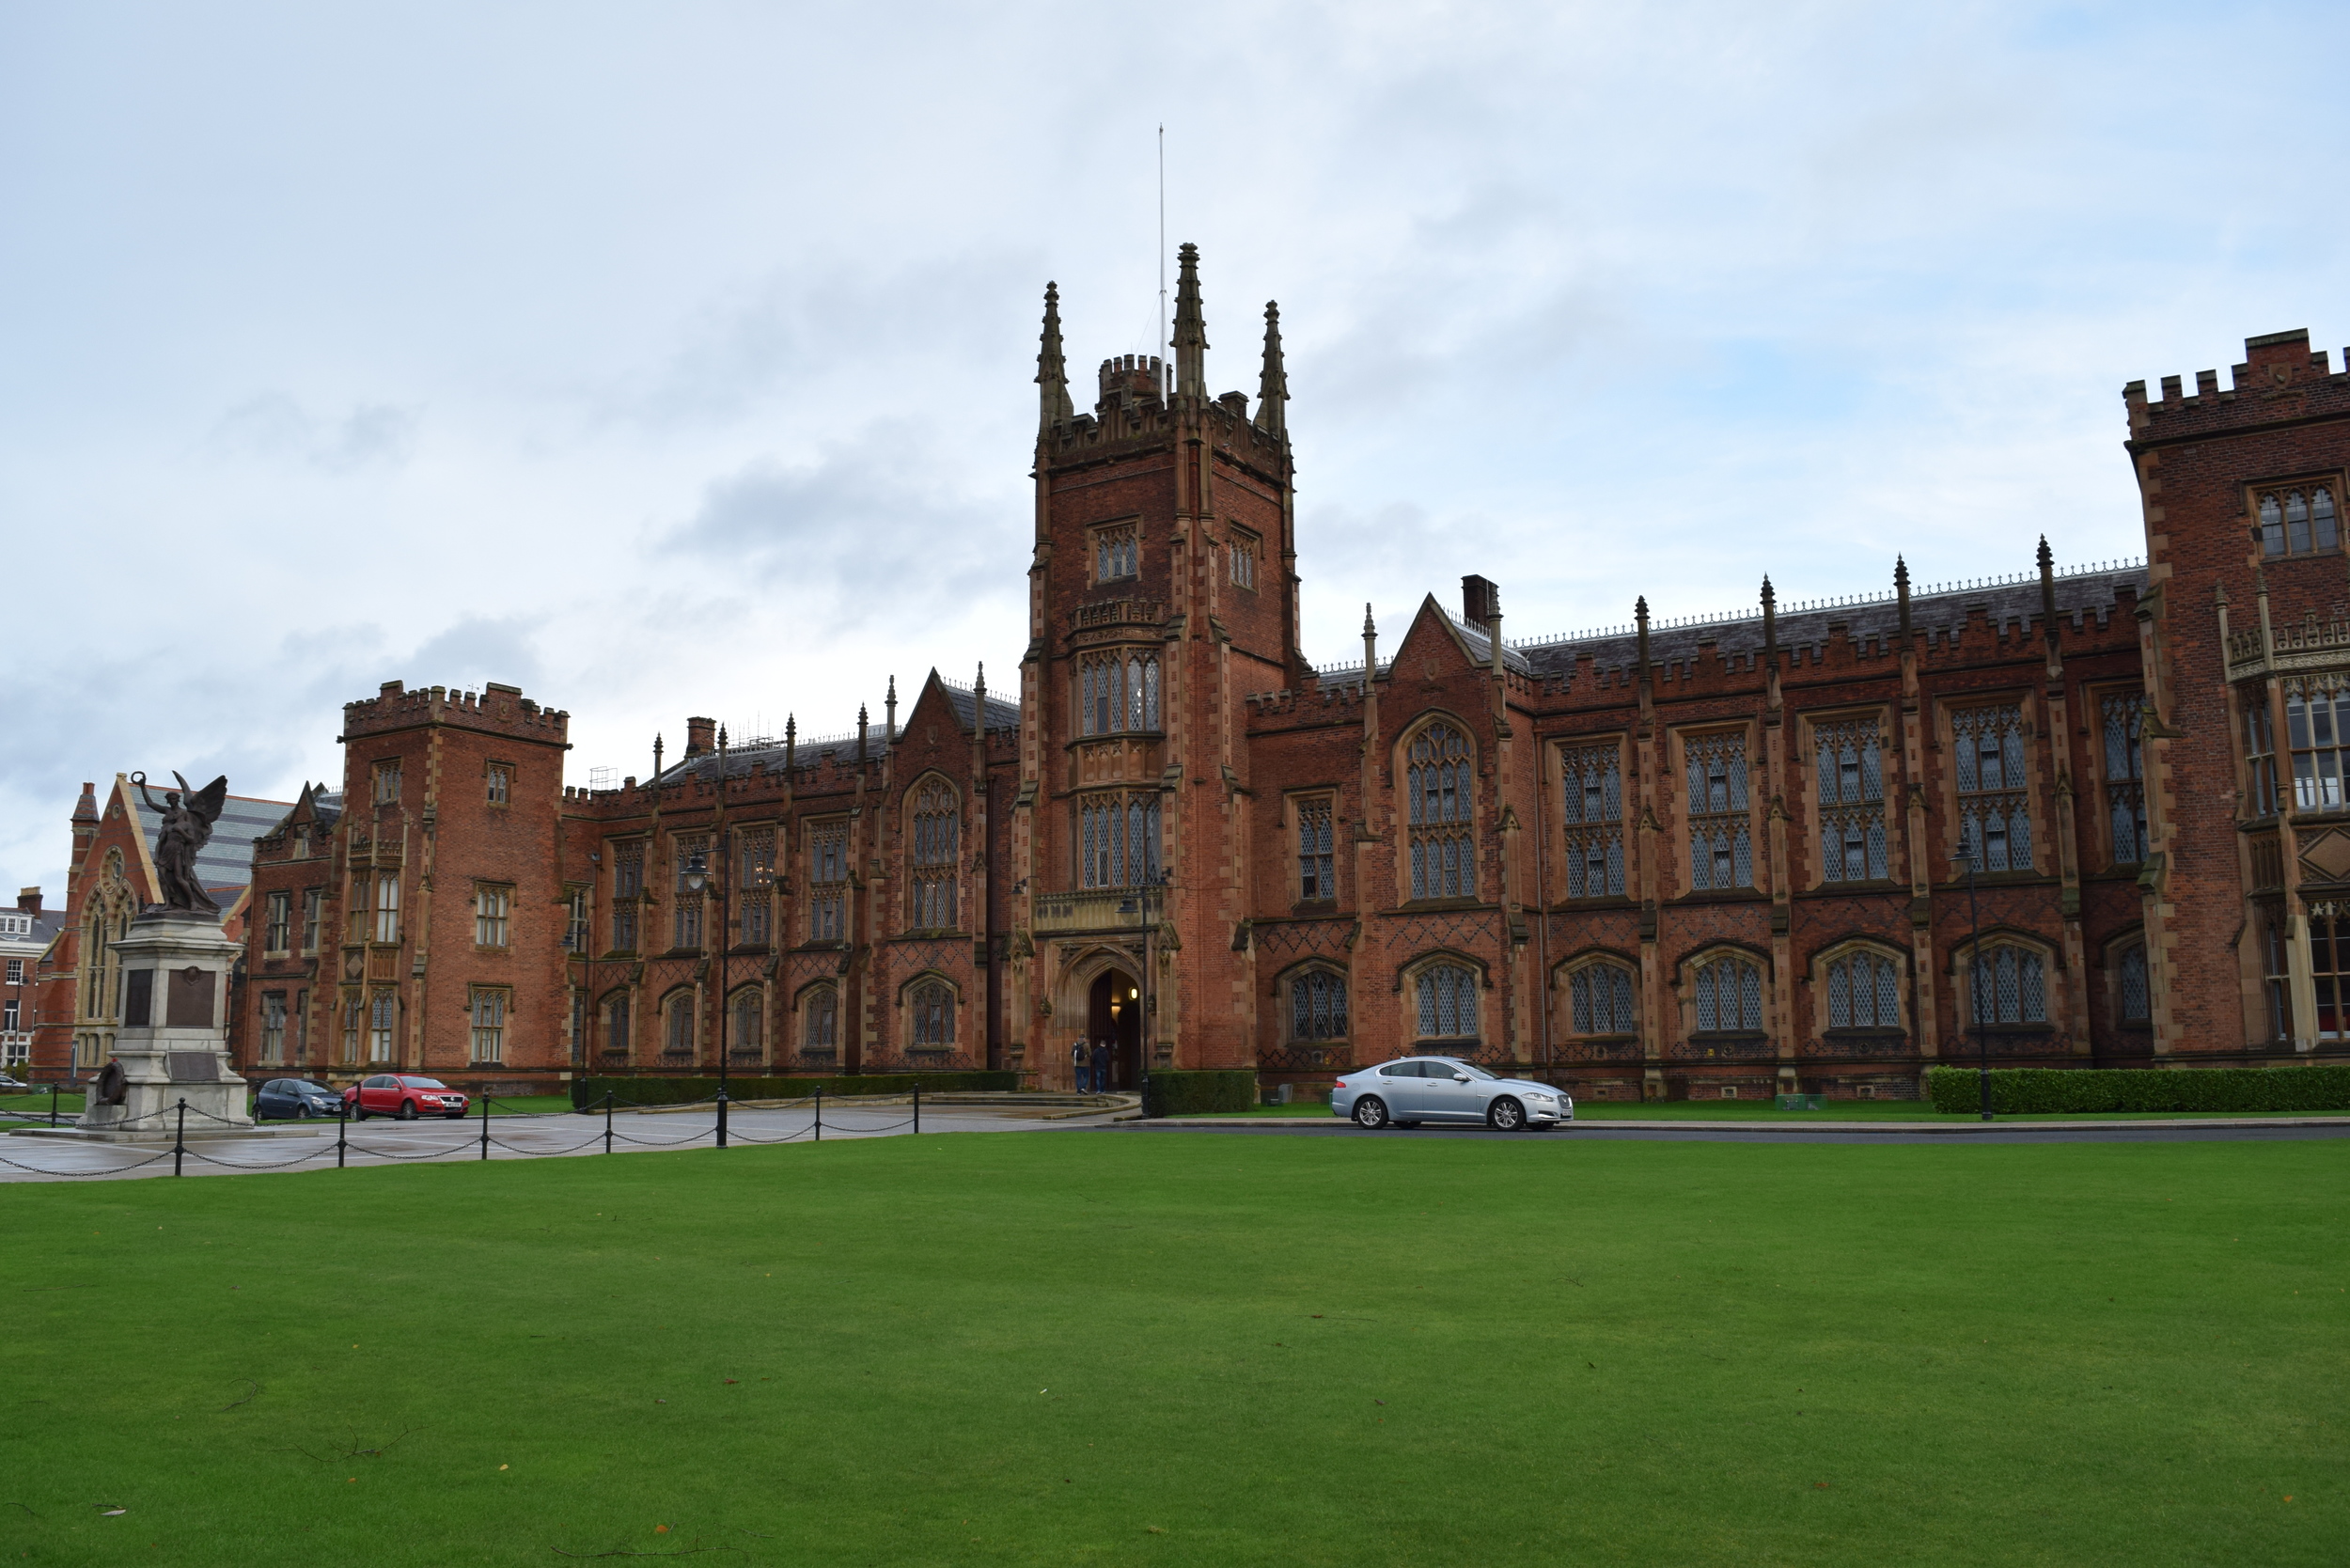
point(2298, 519)
point(1594, 813)
point(1852, 800)
point(1317, 876)
point(1116, 553)
point(1117, 690)
point(937, 821)
point(1993, 818)
point(1721, 835)
point(2125, 793)
point(1443, 851)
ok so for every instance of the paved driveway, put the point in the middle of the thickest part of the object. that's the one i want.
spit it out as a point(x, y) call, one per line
point(511, 1137)
point(1731, 1131)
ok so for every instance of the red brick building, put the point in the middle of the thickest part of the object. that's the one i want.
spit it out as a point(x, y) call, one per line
point(1708, 857)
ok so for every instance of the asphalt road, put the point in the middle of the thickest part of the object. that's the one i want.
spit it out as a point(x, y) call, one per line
point(1730, 1132)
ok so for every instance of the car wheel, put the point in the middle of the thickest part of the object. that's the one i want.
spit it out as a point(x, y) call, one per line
point(306, 1111)
point(407, 1110)
point(1370, 1111)
point(1506, 1114)
point(357, 1115)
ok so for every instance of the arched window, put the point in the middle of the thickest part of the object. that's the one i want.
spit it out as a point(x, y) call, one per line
point(1317, 1006)
point(1444, 853)
point(819, 1019)
point(747, 1023)
point(1447, 993)
point(616, 1024)
point(1864, 992)
point(1721, 833)
point(2137, 995)
point(2009, 987)
point(677, 1035)
point(2276, 977)
point(1851, 783)
point(933, 1015)
point(936, 832)
point(2125, 791)
point(1728, 996)
point(1600, 996)
point(2329, 967)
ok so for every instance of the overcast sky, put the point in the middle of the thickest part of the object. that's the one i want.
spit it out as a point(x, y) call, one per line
point(677, 359)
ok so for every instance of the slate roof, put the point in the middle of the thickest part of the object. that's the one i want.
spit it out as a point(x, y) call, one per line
point(226, 864)
point(1001, 715)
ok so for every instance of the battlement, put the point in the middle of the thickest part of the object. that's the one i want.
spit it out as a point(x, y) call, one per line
point(496, 709)
point(1141, 378)
point(2279, 378)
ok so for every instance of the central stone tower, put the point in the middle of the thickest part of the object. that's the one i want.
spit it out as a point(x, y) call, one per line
point(1163, 592)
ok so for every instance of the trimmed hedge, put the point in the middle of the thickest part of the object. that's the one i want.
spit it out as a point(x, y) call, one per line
point(2024, 1090)
point(587, 1093)
point(1171, 1092)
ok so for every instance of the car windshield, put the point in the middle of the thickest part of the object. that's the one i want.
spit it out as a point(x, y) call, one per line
point(424, 1083)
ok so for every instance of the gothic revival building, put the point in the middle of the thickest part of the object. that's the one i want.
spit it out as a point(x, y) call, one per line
point(2076, 818)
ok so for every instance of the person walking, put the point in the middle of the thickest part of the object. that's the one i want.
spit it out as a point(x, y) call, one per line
point(1080, 1066)
point(1101, 1067)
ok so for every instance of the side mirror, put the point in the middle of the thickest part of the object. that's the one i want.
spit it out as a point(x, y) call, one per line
point(1460, 1077)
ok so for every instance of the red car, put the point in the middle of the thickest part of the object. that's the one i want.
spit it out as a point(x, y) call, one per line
point(405, 1095)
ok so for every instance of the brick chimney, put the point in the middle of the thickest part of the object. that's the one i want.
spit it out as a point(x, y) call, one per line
point(701, 734)
point(28, 901)
point(1481, 601)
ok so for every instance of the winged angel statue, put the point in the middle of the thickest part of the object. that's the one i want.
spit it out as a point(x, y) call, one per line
point(188, 817)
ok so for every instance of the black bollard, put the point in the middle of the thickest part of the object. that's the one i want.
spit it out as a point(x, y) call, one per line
point(918, 1110)
point(180, 1139)
point(342, 1133)
point(485, 1126)
point(819, 1113)
point(607, 1122)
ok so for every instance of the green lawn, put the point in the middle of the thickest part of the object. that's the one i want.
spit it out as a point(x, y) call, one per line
point(1152, 1348)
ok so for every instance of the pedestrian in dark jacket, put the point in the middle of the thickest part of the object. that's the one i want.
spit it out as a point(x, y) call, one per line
point(1101, 1067)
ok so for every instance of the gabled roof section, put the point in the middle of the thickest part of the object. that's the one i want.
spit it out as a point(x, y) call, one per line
point(1474, 647)
point(1001, 714)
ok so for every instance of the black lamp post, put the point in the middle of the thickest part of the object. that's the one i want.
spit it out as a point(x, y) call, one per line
point(697, 874)
point(1974, 978)
point(1146, 903)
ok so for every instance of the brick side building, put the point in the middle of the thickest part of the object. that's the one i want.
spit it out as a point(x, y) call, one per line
point(1708, 857)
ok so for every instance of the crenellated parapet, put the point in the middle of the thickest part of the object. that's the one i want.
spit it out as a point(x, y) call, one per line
point(496, 709)
point(2280, 378)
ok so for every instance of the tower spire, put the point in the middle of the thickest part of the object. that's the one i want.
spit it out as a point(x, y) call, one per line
point(1273, 387)
point(1191, 332)
point(1052, 371)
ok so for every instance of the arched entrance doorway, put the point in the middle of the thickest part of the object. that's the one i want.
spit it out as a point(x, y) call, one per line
point(1114, 1012)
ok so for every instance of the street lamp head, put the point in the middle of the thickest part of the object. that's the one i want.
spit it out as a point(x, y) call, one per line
point(697, 871)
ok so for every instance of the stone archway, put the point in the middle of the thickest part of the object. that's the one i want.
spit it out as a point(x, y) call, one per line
point(1114, 1012)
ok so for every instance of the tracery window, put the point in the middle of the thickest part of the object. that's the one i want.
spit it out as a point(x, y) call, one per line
point(827, 882)
point(1116, 553)
point(616, 1025)
point(1728, 996)
point(1721, 840)
point(689, 921)
point(2297, 521)
point(1317, 1006)
point(2125, 791)
point(387, 783)
point(819, 1019)
point(387, 907)
point(383, 1015)
point(1600, 999)
point(2317, 727)
point(746, 1023)
point(933, 1015)
point(677, 1039)
point(2260, 759)
point(1443, 851)
point(624, 929)
point(1118, 840)
point(354, 1022)
point(492, 915)
point(1593, 814)
point(2137, 993)
point(756, 881)
point(1117, 690)
point(1850, 786)
point(1447, 993)
point(1316, 871)
point(2009, 987)
point(1241, 553)
point(1864, 992)
point(628, 869)
point(1993, 813)
point(500, 783)
point(938, 824)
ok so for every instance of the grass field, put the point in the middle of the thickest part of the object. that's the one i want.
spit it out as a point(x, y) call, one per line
point(1110, 1348)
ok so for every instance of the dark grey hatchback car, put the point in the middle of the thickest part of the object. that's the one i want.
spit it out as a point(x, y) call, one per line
point(286, 1099)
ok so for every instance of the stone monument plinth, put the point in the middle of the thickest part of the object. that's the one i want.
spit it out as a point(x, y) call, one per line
point(173, 1043)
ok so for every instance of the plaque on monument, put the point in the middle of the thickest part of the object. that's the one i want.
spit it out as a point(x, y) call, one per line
point(190, 999)
point(138, 997)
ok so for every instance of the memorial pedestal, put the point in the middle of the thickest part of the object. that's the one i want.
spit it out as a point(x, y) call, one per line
point(173, 1044)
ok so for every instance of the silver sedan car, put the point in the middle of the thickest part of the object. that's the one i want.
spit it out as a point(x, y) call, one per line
point(1445, 1089)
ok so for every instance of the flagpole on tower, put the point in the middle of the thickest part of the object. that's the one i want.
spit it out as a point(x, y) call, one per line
point(1162, 261)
